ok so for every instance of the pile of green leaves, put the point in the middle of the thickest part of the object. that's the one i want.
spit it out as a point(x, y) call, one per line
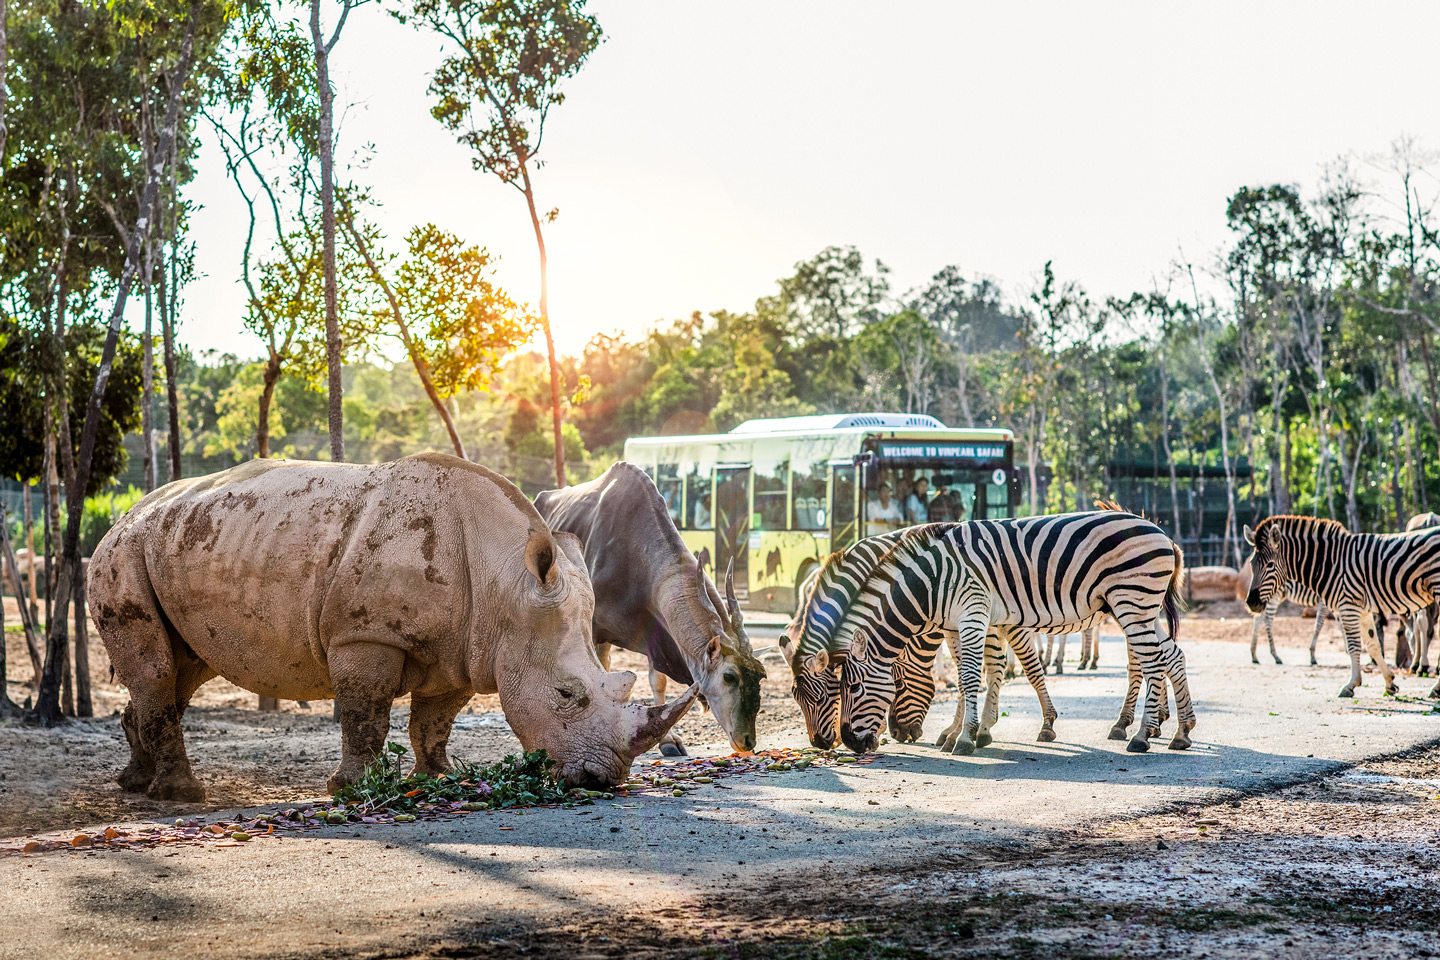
point(512, 782)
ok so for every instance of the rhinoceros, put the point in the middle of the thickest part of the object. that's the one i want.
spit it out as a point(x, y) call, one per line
point(652, 598)
point(307, 580)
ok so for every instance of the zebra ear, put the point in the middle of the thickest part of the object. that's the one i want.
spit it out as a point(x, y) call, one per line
point(821, 661)
point(1249, 535)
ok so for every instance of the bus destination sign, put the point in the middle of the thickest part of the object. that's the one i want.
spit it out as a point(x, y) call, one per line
point(941, 451)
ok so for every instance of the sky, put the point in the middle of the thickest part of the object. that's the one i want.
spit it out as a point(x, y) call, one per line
point(706, 149)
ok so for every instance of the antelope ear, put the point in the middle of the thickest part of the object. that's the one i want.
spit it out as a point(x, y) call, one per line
point(712, 653)
point(1249, 535)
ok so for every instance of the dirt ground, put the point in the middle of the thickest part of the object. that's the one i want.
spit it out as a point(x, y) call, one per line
point(55, 779)
point(1346, 865)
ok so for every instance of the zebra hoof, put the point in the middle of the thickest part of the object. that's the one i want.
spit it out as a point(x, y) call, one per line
point(1254, 659)
point(963, 747)
point(1117, 732)
point(1279, 662)
point(1181, 742)
point(1347, 691)
point(673, 748)
point(1137, 745)
point(983, 739)
point(1314, 662)
point(1046, 736)
point(1059, 669)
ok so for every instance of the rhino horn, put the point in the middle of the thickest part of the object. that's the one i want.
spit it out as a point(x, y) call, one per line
point(618, 685)
point(652, 723)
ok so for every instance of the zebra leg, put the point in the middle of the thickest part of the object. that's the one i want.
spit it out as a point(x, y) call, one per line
point(948, 736)
point(1146, 645)
point(1370, 636)
point(1174, 660)
point(1023, 642)
point(1269, 615)
point(1255, 636)
point(1059, 655)
point(1425, 630)
point(972, 654)
point(1315, 637)
point(1132, 694)
point(994, 671)
point(1354, 621)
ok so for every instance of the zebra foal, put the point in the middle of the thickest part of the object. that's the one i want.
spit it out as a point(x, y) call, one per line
point(1351, 573)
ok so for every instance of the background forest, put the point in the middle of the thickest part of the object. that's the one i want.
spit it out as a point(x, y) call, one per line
point(1294, 370)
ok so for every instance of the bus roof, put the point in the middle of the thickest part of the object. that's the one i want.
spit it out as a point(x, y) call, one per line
point(837, 421)
point(842, 433)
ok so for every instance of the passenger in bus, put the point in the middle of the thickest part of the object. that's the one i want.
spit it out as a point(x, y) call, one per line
point(916, 506)
point(883, 513)
point(702, 513)
point(943, 507)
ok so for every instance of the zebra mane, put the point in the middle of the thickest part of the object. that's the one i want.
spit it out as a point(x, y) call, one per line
point(1305, 526)
point(842, 575)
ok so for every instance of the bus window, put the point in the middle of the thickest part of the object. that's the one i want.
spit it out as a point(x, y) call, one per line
point(997, 499)
point(809, 511)
point(667, 480)
point(698, 503)
point(771, 481)
point(843, 530)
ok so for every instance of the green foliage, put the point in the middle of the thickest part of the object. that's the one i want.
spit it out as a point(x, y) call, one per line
point(512, 782)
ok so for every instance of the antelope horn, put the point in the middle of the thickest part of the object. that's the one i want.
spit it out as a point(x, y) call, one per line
point(652, 723)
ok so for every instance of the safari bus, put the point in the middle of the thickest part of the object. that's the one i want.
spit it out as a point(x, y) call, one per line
point(775, 496)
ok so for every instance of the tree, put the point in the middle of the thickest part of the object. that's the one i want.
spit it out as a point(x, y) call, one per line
point(453, 322)
point(48, 699)
point(334, 346)
point(831, 292)
point(495, 88)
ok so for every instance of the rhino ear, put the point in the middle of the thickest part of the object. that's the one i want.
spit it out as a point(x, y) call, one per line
point(540, 555)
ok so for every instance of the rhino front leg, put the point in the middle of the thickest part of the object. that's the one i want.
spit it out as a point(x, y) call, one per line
point(366, 678)
point(431, 719)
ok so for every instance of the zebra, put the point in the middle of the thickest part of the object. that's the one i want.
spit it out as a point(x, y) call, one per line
point(1266, 618)
point(1426, 619)
point(1350, 572)
point(1042, 574)
point(815, 655)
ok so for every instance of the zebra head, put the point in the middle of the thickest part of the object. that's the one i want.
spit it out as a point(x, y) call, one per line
point(818, 696)
point(867, 688)
point(1267, 567)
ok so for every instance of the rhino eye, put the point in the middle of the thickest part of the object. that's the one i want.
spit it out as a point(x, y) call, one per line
point(564, 694)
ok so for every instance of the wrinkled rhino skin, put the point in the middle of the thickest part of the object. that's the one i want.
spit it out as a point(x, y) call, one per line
point(305, 580)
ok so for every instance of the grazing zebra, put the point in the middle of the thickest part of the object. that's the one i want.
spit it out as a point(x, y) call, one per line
point(1426, 619)
point(1350, 572)
point(815, 655)
point(1041, 574)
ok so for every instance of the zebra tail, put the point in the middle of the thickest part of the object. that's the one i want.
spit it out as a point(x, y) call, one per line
point(1173, 600)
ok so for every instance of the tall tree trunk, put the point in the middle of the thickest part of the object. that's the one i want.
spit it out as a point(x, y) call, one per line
point(1165, 436)
point(333, 345)
point(34, 564)
point(4, 71)
point(271, 376)
point(549, 336)
point(27, 621)
point(83, 705)
point(8, 707)
point(47, 705)
point(147, 389)
point(172, 389)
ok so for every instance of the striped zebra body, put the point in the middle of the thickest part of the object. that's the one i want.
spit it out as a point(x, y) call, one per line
point(1042, 574)
point(1352, 573)
point(1298, 593)
point(1425, 621)
point(816, 642)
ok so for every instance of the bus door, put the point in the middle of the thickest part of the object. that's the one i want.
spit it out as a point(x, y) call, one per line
point(844, 517)
point(732, 526)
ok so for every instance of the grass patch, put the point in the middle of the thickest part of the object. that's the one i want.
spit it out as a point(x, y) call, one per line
point(512, 782)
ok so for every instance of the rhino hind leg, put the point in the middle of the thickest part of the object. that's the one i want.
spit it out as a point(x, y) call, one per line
point(431, 719)
point(141, 769)
point(366, 678)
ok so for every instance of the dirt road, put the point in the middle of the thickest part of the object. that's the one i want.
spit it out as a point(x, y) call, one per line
point(1025, 849)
